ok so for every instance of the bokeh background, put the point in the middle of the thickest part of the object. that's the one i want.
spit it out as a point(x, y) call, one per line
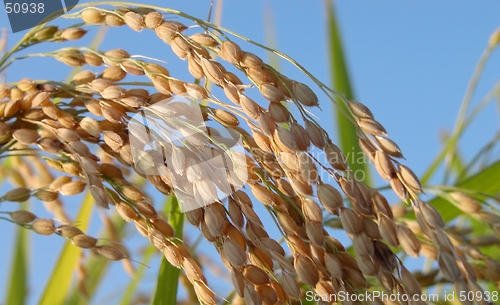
point(410, 62)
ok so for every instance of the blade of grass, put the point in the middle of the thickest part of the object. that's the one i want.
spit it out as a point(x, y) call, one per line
point(270, 36)
point(58, 286)
point(168, 276)
point(346, 130)
point(18, 285)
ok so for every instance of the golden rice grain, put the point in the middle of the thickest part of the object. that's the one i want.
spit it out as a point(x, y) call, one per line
point(290, 285)
point(271, 93)
point(306, 270)
point(335, 157)
point(168, 30)
point(25, 136)
point(410, 179)
point(72, 188)
point(153, 20)
point(110, 252)
point(230, 52)
point(359, 110)
point(448, 266)
point(134, 21)
point(465, 202)
point(408, 240)
point(389, 147)
point(388, 230)
point(68, 231)
point(371, 126)
point(84, 241)
point(73, 33)
point(266, 123)
point(304, 94)
point(251, 108)
point(350, 221)
point(19, 194)
point(43, 226)
point(204, 293)
point(92, 16)
point(255, 275)
point(22, 216)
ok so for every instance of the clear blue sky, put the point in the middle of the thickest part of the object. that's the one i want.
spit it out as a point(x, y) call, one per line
point(410, 62)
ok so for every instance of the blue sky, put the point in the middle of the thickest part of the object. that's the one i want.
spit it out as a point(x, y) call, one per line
point(410, 62)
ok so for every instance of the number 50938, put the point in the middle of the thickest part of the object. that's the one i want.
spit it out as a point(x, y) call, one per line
point(24, 8)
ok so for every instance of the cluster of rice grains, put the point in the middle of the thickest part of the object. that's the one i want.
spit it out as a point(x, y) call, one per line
point(283, 173)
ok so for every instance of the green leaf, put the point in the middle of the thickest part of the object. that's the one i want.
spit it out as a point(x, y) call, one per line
point(59, 283)
point(168, 277)
point(18, 287)
point(486, 181)
point(346, 130)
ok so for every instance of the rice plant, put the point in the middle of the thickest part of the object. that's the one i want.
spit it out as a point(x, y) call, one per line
point(234, 155)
